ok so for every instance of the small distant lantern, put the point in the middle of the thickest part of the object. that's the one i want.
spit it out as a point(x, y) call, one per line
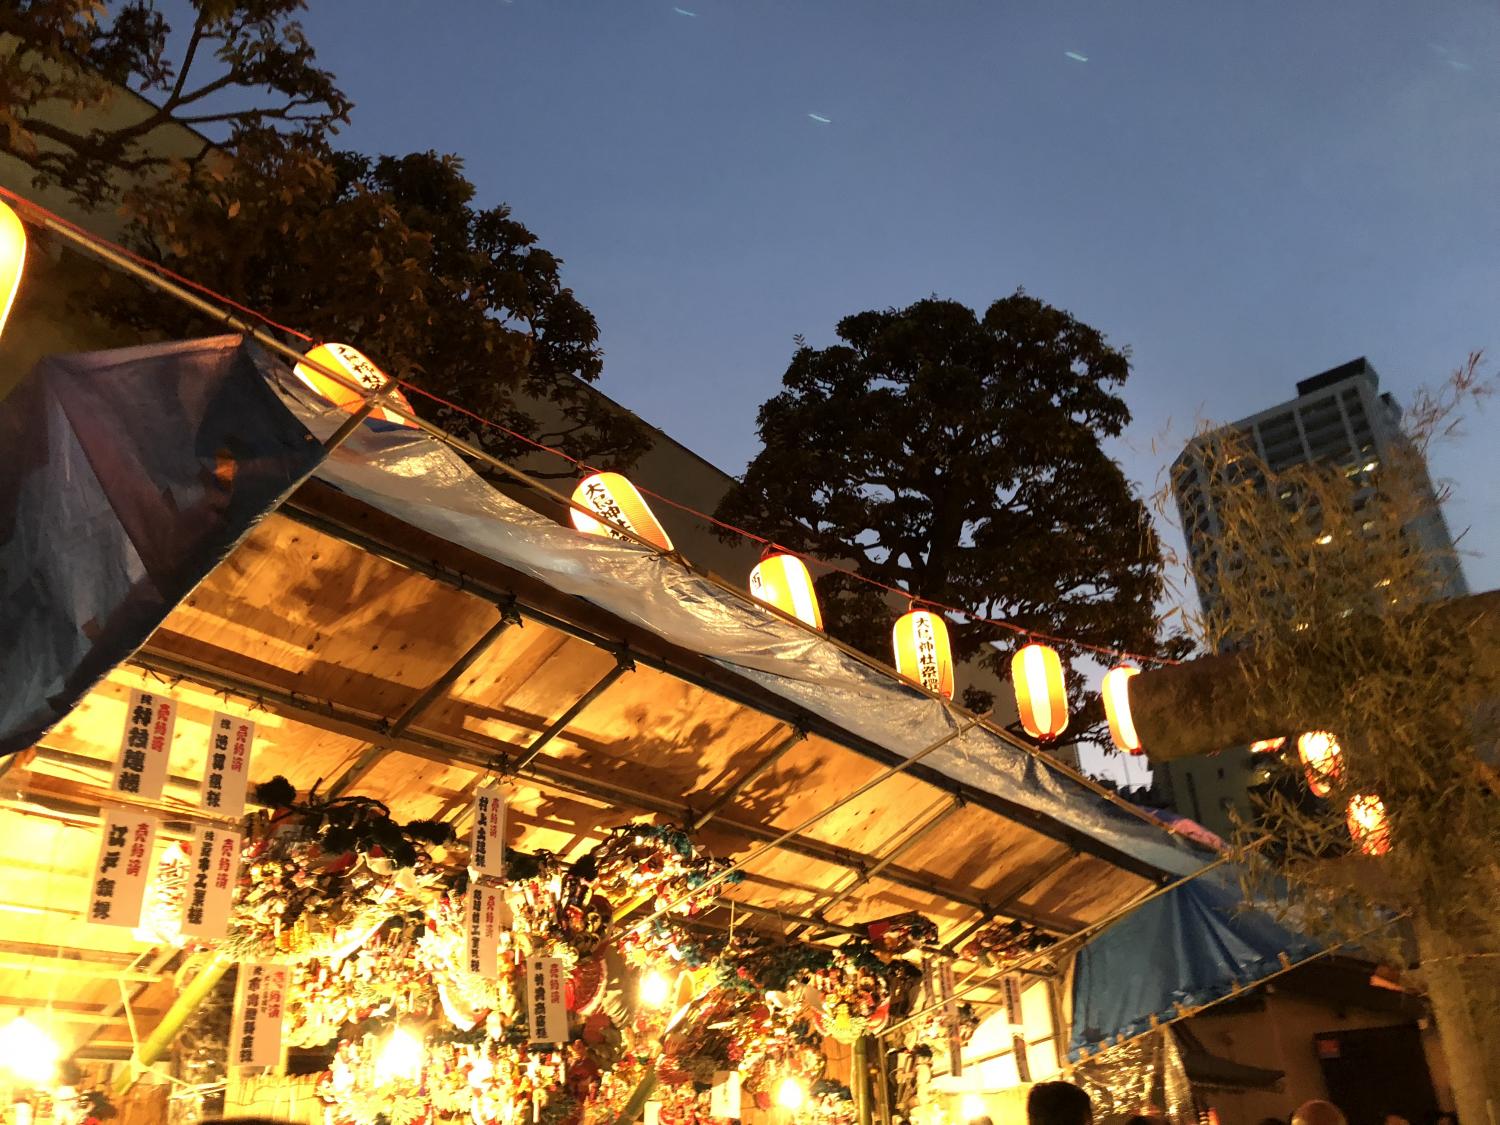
point(1369, 827)
point(1116, 691)
point(1322, 758)
point(12, 259)
point(615, 499)
point(783, 581)
point(358, 368)
point(1267, 745)
point(923, 653)
point(1041, 697)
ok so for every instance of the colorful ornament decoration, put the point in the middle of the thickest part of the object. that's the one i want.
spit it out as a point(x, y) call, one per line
point(1003, 942)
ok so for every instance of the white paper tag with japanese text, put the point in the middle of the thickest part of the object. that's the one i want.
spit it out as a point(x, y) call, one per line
point(259, 1002)
point(123, 868)
point(484, 909)
point(487, 840)
point(213, 875)
point(226, 768)
point(146, 746)
point(546, 1008)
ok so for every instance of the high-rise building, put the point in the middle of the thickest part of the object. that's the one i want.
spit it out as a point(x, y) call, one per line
point(1339, 417)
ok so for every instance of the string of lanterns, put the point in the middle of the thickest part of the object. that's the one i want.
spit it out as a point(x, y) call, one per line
point(920, 642)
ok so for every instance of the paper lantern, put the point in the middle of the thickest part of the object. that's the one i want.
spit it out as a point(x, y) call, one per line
point(1369, 827)
point(923, 653)
point(353, 364)
point(1322, 759)
point(783, 581)
point(616, 500)
point(12, 259)
point(1267, 745)
point(1041, 697)
point(1116, 691)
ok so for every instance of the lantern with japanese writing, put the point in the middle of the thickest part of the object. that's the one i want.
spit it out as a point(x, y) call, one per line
point(353, 365)
point(12, 259)
point(1369, 827)
point(1041, 697)
point(783, 581)
point(1116, 691)
point(615, 499)
point(1322, 759)
point(923, 654)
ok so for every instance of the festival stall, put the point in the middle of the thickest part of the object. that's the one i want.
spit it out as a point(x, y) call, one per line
point(338, 785)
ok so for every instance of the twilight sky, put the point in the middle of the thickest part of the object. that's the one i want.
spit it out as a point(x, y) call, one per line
point(1243, 193)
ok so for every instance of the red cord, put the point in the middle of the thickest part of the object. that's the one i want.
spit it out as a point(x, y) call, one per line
point(1009, 626)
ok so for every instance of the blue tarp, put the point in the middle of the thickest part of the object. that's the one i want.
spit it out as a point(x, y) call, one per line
point(1189, 947)
point(125, 477)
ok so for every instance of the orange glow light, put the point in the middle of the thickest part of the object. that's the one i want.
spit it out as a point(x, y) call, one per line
point(12, 259)
point(1116, 691)
point(783, 581)
point(353, 364)
point(1322, 757)
point(1369, 827)
point(616, 500)
point(1041, 697)
point(1267, 745)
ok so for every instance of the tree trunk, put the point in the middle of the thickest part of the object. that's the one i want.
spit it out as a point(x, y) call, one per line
point(1463, 984)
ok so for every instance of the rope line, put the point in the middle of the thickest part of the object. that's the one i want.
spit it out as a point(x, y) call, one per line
point(205, 291)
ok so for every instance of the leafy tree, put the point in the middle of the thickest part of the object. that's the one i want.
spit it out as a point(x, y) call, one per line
point(69, 57)
point(1335, 610)
point(957, 458)
point(389, 254)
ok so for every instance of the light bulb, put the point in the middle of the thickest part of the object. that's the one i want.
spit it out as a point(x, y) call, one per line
point(28, 1052)
point(655, 989)
point(400, 1059)
point(790, 1094)
point(971, 1107)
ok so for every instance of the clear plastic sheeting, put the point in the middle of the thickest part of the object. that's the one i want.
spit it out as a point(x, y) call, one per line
point(421, 482)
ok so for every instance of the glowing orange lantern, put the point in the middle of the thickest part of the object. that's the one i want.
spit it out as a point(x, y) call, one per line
point(1323, 759)
point(1369, 826)
point(1116, 691)
point(923, 653)
point(616, 500)
point(12, 259)
point(1267, 745)
point(783, 581)
point(1041, 698)
point(353, 364)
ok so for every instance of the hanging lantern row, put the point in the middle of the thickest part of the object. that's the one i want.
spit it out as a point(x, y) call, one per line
point(1116, 692)
point(12, 259)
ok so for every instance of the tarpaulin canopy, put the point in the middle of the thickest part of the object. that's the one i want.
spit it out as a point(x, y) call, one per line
point(171, 514)
point(1185, 949)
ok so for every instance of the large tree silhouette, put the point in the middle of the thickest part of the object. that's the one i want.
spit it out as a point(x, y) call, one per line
point(957, 458)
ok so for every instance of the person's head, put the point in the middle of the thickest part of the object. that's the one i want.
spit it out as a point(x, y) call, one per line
point(1272, 1121)
point(1058, 1103)
point(1318, 1112)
